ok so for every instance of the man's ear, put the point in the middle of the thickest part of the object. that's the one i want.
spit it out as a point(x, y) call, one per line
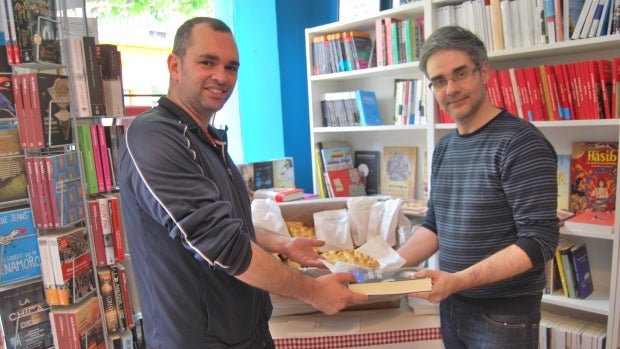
point(174, 61)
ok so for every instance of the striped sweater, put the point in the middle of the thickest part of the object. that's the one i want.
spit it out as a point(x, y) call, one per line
point(490, 189)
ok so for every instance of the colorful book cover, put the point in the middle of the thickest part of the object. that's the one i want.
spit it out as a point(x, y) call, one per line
point(19, 251)
point(563, 181)
point(25, 317)
point(398, 172)
point(82, 324)
point(336, 157)
point(70, 254)
point(263, 174)
point(583, 274)
point(7, 98)
point(13, 183)
point(594, 167)
point(284, 173)
point(36, 31)
point(346, 182)
point(368, 108)
point(62, 172)
point(50, 109)
point(368, 163)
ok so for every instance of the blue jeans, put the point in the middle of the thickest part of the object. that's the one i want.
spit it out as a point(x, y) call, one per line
point(462, 328)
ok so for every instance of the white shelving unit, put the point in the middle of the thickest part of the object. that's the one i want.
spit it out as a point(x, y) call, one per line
point(604, 304)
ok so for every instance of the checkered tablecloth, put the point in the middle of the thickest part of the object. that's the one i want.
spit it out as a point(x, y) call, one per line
point(360, 339)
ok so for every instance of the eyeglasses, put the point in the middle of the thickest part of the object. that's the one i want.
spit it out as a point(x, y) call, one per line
point(461, 75)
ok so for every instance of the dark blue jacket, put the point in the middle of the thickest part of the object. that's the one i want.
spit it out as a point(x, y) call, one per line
point(188, 222)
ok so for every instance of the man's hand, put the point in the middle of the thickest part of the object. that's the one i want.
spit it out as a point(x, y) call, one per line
point(303, 251)
point(443, 285)
point(333, 293)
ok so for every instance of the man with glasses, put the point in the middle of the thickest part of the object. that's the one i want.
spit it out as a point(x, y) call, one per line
point(492, 206)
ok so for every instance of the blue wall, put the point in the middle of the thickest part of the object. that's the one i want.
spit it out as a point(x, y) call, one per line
point(272, 85)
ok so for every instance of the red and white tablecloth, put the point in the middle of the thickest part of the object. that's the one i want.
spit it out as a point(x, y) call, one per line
point(353, 329)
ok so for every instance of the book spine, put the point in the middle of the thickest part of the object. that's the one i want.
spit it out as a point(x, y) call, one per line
point(54, 189)
point(126, 297)
point(106, 227)
point(33, 192)
point(59, 278)
point(20, 110)
point(93, 76)
point(108, 300)
point(105, 159)
point(88, 158)
point(94, 138)
point(97, 232)
point(36, 112)
point(78, 76)
point(62, 333)
point(118, 295)
point(117, 228)
point(47, 271)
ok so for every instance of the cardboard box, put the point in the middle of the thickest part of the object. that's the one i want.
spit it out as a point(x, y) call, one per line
point(302, 211)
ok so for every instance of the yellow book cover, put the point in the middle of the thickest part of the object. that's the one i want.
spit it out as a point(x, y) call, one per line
point(398, 172)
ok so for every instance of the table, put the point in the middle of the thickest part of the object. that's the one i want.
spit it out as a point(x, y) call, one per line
point(393, 328)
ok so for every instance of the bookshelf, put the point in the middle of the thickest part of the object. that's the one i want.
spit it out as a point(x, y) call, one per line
point(83, 290)
point(604, 304)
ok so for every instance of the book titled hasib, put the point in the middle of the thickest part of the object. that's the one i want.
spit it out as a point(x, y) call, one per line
point(385, 282)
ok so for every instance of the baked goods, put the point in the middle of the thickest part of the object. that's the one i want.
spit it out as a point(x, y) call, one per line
point(299, 229)
point(351, 257)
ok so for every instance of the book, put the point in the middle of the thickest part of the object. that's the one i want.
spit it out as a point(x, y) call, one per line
point(64, 188)
point(24, 316)
point(563, 181)
point(593, 176)
point(70, 256)
point(88, 158)
point(279, 194)
point(381, 282)
point(368, 163)
point(368, 108)
point(398, 171)
point(77, 73)
point(50, 109)
point(7, 97)
point(93, 76)
point(111, 74)
point(567, 265)
point(560, 265)
point(361, 48)
point(345, 182)
point(19, 250)
point(108, 300)
point(336, 155)
point(97, 232)
point(13, 182)
point(36, 31)
point(284, 173)
point(79, 325)
point(125, 294)
point(263, 174)
point(592, 222)
point(116, 223)
point(583, 274)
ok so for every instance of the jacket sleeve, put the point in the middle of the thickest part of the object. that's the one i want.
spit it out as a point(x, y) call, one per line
point(159, 168)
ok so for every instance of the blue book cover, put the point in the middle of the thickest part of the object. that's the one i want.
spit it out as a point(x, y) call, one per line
point(19, 249)
point(368, 108)
point(583, 274)
point(64, 183)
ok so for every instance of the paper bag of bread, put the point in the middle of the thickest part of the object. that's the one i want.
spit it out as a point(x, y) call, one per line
point(267, 215)
point(332, 226)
